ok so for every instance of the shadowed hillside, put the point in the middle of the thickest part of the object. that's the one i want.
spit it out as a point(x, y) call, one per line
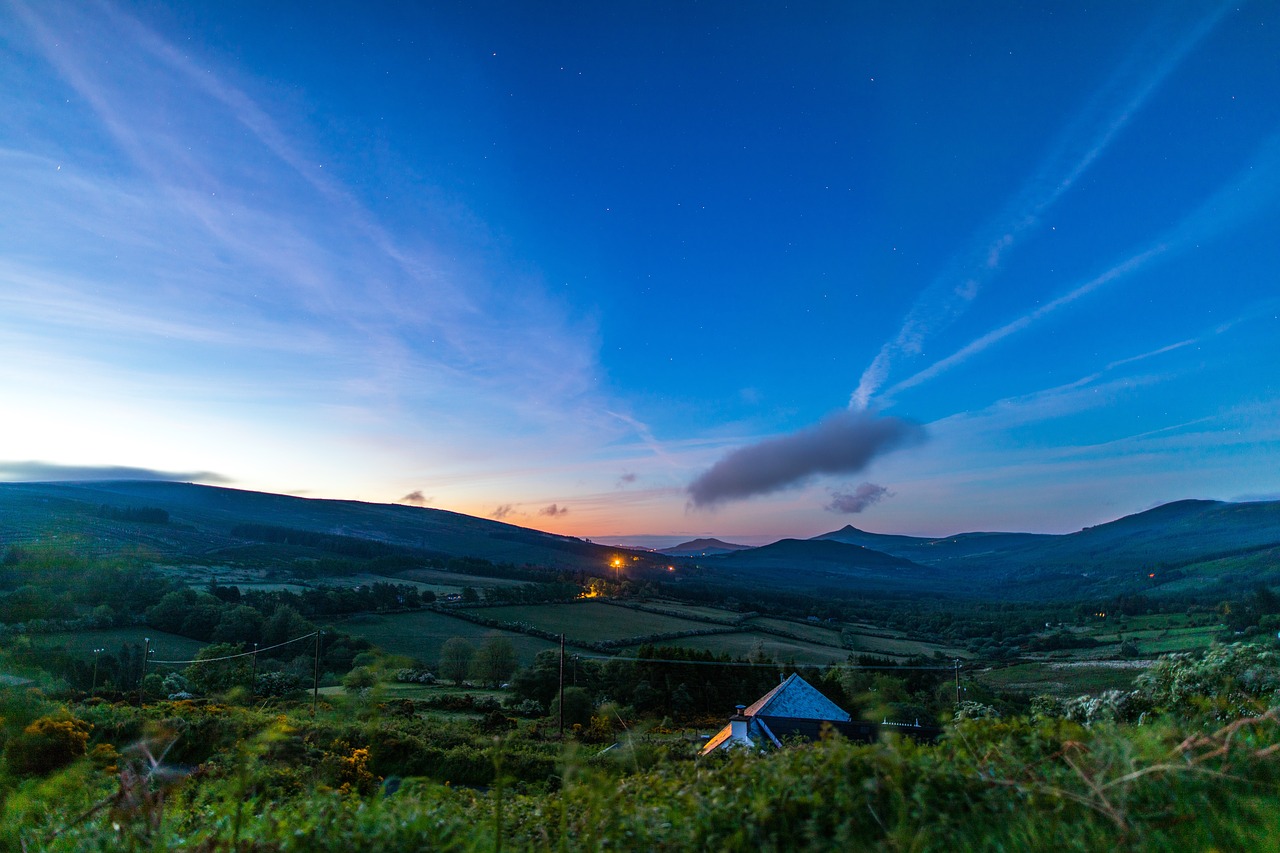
point(1183, 546)
point(211, 521)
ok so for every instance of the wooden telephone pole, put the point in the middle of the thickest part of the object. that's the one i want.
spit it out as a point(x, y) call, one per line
point(562, 686)
point(146, 653)
point(315, 678)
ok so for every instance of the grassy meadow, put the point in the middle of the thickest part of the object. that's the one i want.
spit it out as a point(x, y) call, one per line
point(420, 634)
point(592, 621)
point(163, 645)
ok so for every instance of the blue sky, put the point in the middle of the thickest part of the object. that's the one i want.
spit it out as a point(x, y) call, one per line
point(667, 269)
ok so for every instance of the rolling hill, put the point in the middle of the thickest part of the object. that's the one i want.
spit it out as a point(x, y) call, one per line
point(213, 521)
point(1139, 552)
point(808, 565)
point(1185, 546)
point(702, 548)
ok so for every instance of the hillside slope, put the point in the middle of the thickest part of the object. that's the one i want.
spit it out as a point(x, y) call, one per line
point(205, 520)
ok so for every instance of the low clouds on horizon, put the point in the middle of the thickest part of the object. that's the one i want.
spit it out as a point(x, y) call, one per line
point(554, 510)
point(844, 442)
point(415, 498)
point(49, 472)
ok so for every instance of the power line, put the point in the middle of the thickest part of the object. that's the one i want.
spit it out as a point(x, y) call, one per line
point(240, 654)
point(773, 664)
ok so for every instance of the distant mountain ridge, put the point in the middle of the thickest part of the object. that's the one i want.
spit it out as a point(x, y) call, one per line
point(933, 551)
point(1191, 545)
point(702, 548)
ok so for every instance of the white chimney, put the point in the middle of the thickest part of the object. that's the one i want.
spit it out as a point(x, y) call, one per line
point(738, 723)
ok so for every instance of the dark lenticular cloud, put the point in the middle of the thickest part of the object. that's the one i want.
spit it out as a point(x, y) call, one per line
point(48, 472)
point(859, 499)
point(842, 443)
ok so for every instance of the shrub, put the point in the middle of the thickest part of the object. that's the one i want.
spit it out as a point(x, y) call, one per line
point(1223, 683)
point(47, 744)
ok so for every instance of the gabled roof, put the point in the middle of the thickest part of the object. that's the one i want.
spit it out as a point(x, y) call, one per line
point(796, 698)
point(794, 708)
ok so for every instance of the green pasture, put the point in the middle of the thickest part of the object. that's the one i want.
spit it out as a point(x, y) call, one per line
point(393, 690)
point(865, 644)
point(1260, 566)
point(1186, 640)
point(1063, 679)
point(265, 587)
point(198, 577)
point(746, 644)
point(591, 621)
point(812, 632)
point(438, 579)
point(368, 579)
point(420, 635)
point(389, 690)
point(1161, 641)
point(695, 611)
point(82, 643)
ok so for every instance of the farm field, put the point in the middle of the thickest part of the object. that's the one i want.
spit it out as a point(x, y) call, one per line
point(394, 690)
point(1261, 566)
point(1065, 679)
point(814, 633)
point(198, 577)
point(367, 579)
point(744, 644)
point(591, 621)
point(865, 644)
point(1178, 640)
point(165, 646)
point(439, 580)
point(420, 635)
point(1155, 639)
point(727, 617)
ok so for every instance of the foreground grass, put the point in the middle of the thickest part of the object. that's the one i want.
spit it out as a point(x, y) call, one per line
point(989, 785)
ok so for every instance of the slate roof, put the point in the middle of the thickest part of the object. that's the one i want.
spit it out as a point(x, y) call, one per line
point(796, 698)
point(794, 707)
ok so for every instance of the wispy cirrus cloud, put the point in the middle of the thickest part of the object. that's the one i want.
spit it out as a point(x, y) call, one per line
point(1253, 191)
point(1080, 145)
point(203, 219)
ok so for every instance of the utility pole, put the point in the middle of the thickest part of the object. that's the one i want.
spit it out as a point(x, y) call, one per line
point(562, 686)
point(315, 680)
point(97, 653)
point(957, 681)
point(253, 679)
point(146, 653)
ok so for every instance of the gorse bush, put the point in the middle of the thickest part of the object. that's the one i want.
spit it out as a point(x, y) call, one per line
point(47, 744)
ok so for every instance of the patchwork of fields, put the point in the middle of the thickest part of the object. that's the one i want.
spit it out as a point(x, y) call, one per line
point(421, 634)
